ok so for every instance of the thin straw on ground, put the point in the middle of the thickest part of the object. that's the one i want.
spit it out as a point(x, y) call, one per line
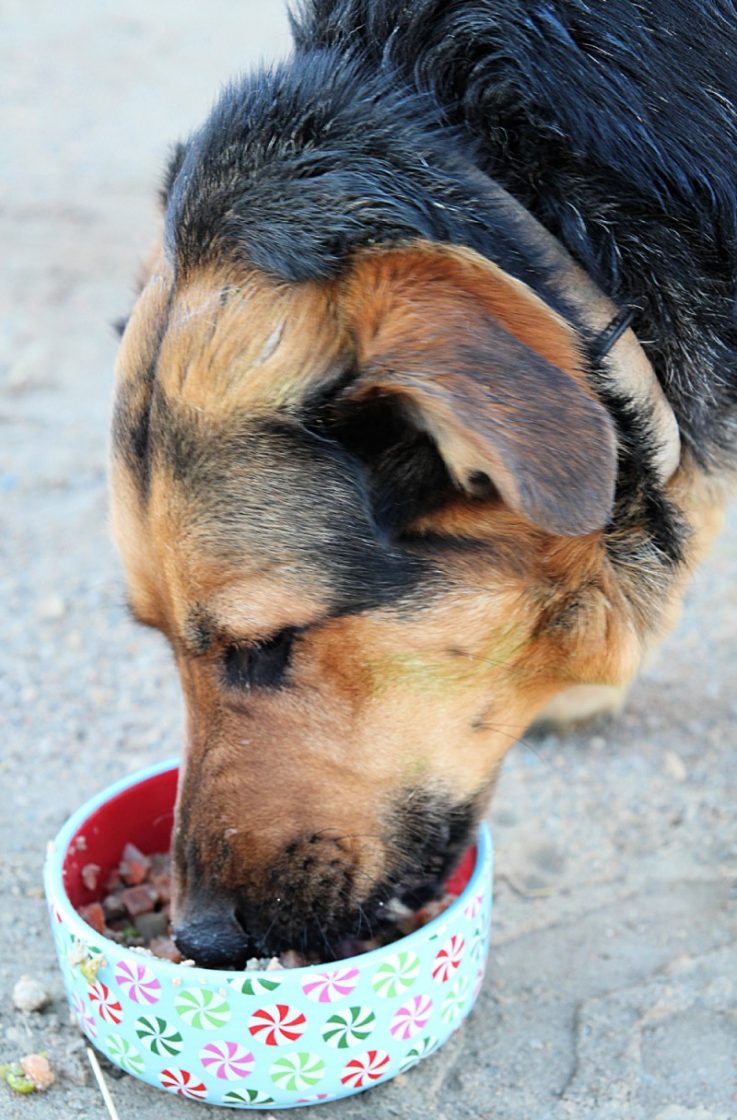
point(99, 1077)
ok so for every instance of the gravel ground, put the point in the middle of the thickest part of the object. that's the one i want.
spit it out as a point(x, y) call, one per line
point(612, 989)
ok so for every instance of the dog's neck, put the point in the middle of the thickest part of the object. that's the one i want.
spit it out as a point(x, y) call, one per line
point(626, 368)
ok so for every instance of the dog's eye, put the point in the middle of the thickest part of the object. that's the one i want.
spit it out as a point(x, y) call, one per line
point(261, 665)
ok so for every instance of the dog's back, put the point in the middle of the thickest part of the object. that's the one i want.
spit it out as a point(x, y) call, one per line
point(616, 125)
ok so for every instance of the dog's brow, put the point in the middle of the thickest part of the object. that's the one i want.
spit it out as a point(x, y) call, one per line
point(200, 631)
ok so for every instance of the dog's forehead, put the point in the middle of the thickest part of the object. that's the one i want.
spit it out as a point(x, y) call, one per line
point(217, 485)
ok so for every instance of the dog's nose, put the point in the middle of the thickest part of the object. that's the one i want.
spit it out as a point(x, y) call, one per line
point(214, 940)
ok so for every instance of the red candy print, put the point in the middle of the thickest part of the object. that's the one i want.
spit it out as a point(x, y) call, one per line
point(182, 1082)
point(277, 1024)
point(366, 1067)
point(107, 1006)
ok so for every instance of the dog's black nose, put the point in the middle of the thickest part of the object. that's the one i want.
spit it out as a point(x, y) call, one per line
point(214, 940)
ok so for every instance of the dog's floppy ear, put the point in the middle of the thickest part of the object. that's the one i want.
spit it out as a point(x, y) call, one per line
point(482, 365)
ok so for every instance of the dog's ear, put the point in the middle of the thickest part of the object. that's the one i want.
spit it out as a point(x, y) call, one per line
point(487, 376)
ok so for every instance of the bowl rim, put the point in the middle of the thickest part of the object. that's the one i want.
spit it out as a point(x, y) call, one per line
point(57, 896)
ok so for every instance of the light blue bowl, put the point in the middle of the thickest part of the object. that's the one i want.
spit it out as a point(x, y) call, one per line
point(268, 1039)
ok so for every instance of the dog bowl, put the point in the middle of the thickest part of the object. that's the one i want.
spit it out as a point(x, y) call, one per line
point(256, 1039)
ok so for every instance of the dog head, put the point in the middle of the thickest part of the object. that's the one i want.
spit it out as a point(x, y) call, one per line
point(367, 514)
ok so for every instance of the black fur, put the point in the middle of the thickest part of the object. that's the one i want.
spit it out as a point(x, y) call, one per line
point(615, 124)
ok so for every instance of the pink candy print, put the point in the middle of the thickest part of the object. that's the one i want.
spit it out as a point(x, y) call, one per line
point(108, 1007)
point(83, 1016)
point(366, 1067)
point(277, 1024)
point(327, 987)
point(472, 908)
point(138, 982)
point(182, 1082)
point(411, 1018)
point(479, 982)
point(227, 1060)
point(448, 959)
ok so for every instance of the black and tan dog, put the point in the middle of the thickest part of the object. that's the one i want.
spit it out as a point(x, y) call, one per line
point(423, 416)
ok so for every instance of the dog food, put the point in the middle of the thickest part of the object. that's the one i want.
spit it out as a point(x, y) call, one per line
point(135, 911)
point(135, 907)
point(32, 1074)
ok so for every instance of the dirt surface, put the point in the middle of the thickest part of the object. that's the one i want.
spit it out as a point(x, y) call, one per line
point(612, 990)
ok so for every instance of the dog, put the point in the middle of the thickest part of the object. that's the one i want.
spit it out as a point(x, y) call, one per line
point(424, 413)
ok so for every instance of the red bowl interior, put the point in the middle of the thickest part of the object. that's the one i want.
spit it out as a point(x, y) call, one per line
point(144, 814)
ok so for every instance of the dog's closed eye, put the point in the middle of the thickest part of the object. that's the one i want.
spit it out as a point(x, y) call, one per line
point(261, 665)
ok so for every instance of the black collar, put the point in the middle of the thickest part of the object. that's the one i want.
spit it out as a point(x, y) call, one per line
point(611, 334)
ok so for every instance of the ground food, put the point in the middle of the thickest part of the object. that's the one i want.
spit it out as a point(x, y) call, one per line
point(32, 1074)
point(135, 911)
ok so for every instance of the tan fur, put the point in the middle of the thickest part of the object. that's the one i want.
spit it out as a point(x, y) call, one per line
point(242, 341)
point(380, 701)
point(439, 283)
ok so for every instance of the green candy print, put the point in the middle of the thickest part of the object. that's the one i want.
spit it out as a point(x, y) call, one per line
point(202, 1009)
point(297, 1072)
point(419, 1050)
point(455, 1000)
point(349, 1027)
point(160, 1037)
point(255, 986)
point(123, 1054)
point(478, 944)
point(396, 974)
point(247, 1096)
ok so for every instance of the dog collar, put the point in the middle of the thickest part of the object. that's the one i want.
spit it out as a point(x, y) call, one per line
point(612, 333)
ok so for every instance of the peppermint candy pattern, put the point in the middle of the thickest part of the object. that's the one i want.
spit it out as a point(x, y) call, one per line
point(412, 1018)
point(364, 1068)
point(472, 908)
point(255, 985)
point(247, 1096)
point(106, 1005)
point(203, 1009)
point(448, 959)
point(120, 1051)
point(227, 1060)
point(396, 974)
point(277, 1024)
point(278, 1038)
point(83, 1015)
point(138, 982)
point(183, 1083)
point(327, 987)
point(477, 984)
point(348, 1028)
point(160, 1037)
point(296, 1072)
point(418, 1051)
point(478, 944)
point(455, 999)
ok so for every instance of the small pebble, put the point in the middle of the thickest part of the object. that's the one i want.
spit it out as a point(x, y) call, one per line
point(674, 766)
point(51, 608)
point(29, 995)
